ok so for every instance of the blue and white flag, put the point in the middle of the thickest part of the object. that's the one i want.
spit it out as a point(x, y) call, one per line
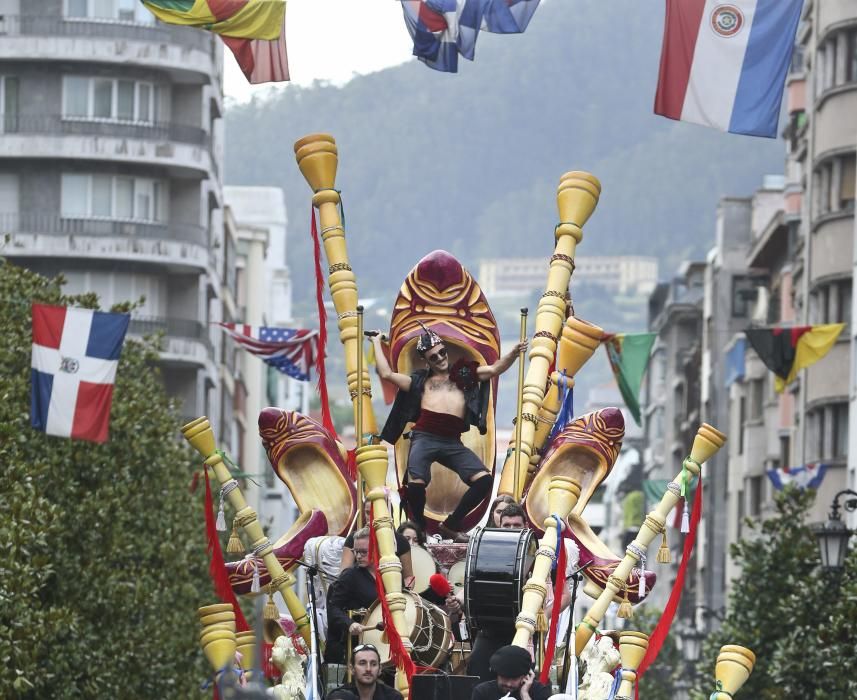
point(809, 476)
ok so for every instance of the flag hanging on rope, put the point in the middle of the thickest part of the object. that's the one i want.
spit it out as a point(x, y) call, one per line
point(629, 356)
point(254, 30)
point(291, 351)
point(443, 29)
point(724, 65)
point(786, 351)
point(75, 355)
point(808, 476)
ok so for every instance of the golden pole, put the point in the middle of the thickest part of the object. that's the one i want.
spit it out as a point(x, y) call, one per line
point(733, 668)
point(317, 157)
point(522, 338)
point(706, 443)
point(562, 495)
point(577, 197)
point(201, 437)
point(358, 418)
point(632, 649)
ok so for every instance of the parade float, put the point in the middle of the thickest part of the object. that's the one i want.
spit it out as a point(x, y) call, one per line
point(553, 465)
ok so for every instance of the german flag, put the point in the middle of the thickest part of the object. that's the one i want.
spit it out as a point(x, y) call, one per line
point(786, 351)
point(254, 30)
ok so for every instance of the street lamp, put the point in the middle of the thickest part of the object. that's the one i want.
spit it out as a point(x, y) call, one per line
point(834, 534)
point(691, 643)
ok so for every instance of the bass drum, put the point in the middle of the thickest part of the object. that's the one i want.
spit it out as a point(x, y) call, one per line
point(498, 564)
point(428, 627)
point(424, 566)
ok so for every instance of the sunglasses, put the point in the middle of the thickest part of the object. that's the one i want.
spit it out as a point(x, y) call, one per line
point(364, 647)
point(439, 355)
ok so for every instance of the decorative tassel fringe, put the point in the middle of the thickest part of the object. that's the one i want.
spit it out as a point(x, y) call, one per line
point(664, 556)
point(234, 546)
point(642, 592)
point(221, 516)
point(685, 518)
point(271, 611)
point(255, 587)
point(626, 612)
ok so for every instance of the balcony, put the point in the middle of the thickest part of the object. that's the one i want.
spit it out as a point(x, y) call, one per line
point(182, 149)
point(42, 234)
point(185, 341)
point(189, 54)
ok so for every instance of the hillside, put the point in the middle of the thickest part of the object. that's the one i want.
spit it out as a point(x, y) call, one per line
point(470, 162)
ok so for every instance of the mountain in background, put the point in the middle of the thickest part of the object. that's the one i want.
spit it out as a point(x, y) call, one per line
point(470, 162)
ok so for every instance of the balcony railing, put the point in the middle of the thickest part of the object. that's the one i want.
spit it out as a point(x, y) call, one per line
point(173, 327)
point(52, 224)
point(32, 25)
point(59, 125)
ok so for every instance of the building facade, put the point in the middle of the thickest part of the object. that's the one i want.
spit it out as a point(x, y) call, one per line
point(110, 170)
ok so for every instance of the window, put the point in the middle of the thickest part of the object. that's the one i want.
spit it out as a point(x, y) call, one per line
point(757, 398)
point(828, 432)
point(831, 302)
point(105, 10)
point(851, 69)
point(754, 495)
point(742, 416)
point(847, 183)
point(111, 99)
point(9, 103)
point(86, 196)
point(839, 439)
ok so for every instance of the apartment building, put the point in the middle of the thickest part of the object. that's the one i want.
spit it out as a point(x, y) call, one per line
point(110, 170)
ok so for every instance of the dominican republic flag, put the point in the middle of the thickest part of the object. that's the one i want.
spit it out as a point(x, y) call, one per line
point(75, 354)
point(809, 476)
point(292, 351)
point(724, 64)
point(443, 29)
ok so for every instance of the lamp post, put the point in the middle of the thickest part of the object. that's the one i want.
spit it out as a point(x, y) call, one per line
point(691, 649)
point(833, 535)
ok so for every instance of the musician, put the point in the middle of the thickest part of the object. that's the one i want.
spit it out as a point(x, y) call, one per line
point(353, 590)
point(403, 550)
point(444, 401)
point(513, 517)
point(365, 664)
point(497, 506)
point(413, 533)
point(515, 677)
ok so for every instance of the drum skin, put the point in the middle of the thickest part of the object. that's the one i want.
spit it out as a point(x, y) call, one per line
point(424, 566)
point(429, 630)
point(498, 562)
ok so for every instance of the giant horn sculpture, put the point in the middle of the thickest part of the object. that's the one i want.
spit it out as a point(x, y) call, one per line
point(734, 666)
point(707, 441)
point(201, 437)
point(632, 648)
point(577, 196)
point(562, 495)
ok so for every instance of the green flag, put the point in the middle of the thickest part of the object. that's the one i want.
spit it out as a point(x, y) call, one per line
point(629, 356)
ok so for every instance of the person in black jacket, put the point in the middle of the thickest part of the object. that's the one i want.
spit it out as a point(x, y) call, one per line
point(515, 678)
point(443, 402)
point(366, 669)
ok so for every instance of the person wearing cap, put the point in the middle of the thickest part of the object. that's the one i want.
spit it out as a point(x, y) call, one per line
point(515, 678)
point(443, 401)
point(365, 665)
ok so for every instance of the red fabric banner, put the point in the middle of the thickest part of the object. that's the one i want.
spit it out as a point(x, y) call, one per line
point(326, 418)
point(559, 586)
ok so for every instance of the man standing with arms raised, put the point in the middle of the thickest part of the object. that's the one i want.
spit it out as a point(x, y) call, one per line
point(443, 401)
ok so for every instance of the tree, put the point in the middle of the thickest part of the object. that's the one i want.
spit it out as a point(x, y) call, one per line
point(102, 552)
point(658, 683)
point(797, 620)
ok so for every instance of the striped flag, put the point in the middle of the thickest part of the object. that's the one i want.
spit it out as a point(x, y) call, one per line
point(254, 30)
point(73, 368)
point(724, 64)
point(808, 476)
point(291, 351)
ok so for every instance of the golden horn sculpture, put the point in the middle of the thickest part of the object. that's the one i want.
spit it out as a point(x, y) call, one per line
point(201, 437)
point(579, 341)
point(317, 159)
point(372, 463)
point(562, 495)
point(577, 197)
point(733, 668)
point(707, 441)
point(632, 649)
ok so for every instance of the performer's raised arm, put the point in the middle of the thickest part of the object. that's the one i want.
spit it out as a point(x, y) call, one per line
point(497, 368)
point(385, 372)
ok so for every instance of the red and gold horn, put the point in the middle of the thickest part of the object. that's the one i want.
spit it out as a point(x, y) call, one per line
point(201, 437)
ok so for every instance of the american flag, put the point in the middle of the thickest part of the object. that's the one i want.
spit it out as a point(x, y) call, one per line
point(290, 350)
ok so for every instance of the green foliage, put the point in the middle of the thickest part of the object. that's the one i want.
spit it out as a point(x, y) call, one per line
point(470, 162)
point(659, 681)
point(798, 620)
point(102, 553)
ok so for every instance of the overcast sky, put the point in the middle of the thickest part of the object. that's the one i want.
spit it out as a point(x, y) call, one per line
point(332, 40)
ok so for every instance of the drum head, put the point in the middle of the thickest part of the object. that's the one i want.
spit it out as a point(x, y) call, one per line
point(428, 627)
point(499, 562)
point(424, 566)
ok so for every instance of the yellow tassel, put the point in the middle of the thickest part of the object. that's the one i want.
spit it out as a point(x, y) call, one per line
point(234, 545)
point(664, 556)
point(271, 611)
point(626, 612)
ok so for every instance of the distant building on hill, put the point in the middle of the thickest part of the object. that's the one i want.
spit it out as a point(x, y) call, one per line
point(625, 275)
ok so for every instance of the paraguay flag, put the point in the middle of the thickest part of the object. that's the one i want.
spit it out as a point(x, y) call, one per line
point(724, 64)
point(75, 354)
